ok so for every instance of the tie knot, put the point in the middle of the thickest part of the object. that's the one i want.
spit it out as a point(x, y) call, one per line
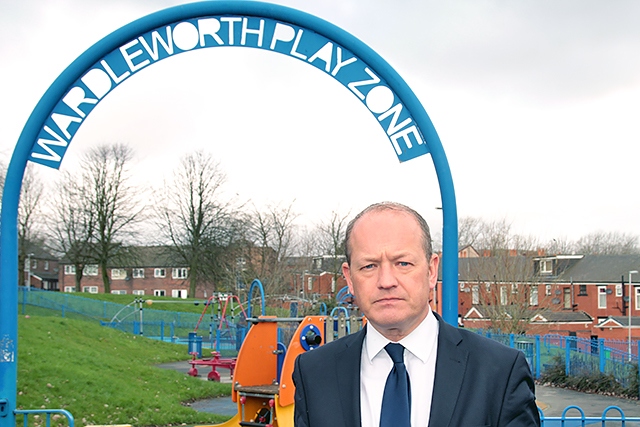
point(396, 351)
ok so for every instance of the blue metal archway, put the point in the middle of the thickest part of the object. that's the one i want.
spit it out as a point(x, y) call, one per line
point(77, 91)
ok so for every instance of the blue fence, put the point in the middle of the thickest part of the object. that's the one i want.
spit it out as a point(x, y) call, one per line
point(222, 335)
point(610, 415)
point(580, 356)
point(48, 414)
point(102, 310)
point(613, 357)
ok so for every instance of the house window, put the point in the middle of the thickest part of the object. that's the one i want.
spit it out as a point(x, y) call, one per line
point(138, 292)
point(158, 292)
point(619, 290)
point(475, 294)
point(514, 288)
point(546, 266)
point(503, 295)
point(159, 272)
point(487, 287)
point(69, 288)
point(34, 264)
point(138, 273)
point(90, 270)
point(46, 265)
point(119, 292)
point(533, 298)
point(637, 298)
point(118, 274)
point(547, 290)
point(69, 269)
point(333, 284)
point(602, 297)
point(90, 289)
point(582, 291)
point(179, 293)
point(179, 273)
point(310, 283)
point(241, 263)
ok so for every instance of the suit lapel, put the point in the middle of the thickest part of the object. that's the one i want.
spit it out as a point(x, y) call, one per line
point(347, 362)
point(451, 364)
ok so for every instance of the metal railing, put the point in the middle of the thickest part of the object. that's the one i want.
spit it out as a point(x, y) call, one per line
point(579, 356)
point(582, 420)
point(47, 412)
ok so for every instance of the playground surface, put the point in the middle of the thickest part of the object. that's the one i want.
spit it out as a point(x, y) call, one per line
point(551, 400)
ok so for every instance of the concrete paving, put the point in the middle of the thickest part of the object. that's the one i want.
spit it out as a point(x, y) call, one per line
point(552, 401)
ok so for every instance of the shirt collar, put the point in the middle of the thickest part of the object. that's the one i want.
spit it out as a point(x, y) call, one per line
point(419, 342)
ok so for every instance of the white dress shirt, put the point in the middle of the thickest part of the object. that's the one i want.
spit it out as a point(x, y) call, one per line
point(419, 358)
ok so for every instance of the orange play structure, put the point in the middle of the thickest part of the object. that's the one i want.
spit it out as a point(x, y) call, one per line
point(262, 386)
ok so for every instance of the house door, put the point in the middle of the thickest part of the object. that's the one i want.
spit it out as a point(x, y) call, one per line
point(567, 297)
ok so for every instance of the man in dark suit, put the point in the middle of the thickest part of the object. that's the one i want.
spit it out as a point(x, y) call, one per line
point(443, 377)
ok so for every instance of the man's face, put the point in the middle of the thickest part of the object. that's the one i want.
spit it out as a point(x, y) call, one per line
point(390, 274)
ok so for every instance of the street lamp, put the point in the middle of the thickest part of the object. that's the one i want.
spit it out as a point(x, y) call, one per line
point(629, 307)
point(29, 271)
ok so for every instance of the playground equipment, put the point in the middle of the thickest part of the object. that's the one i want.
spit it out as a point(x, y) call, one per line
point(215, 361)
point(262, 385)
point(223, 330)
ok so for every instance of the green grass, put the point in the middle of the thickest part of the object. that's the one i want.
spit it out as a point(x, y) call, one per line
point(103, 376)
point(159, 303)
point(183, 305)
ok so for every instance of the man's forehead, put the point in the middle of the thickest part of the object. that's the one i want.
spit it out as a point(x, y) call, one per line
point(390, 215)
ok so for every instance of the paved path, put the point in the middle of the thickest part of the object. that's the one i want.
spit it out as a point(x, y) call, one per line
point(552, 401)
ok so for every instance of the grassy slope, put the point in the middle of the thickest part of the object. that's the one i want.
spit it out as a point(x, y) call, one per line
point(103, 376)
point(171, 304)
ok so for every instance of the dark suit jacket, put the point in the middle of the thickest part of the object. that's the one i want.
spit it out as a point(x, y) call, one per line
point(478, 382)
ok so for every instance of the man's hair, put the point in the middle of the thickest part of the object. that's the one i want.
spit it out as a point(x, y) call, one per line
point(391, 206)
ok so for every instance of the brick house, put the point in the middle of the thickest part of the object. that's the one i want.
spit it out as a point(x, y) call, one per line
point(152, 271)
point(316, 278)
point(578, 295)
point(41, 269)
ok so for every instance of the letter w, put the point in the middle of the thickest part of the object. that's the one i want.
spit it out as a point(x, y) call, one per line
point(45, 145)
point(155, 38)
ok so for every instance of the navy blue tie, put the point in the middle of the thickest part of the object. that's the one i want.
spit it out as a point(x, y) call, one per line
point(396, 401)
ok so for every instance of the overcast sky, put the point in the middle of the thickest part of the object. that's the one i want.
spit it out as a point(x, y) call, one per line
point(536, 104)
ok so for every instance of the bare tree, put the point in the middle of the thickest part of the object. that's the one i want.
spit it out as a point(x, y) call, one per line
point(559, 246)
point(611, 243)
point(112, 200)
point(3, 173)
point(71, 225)
point(502, 279)
point(273, 232)
point(29, 214)
point(469, 231)
point(198, 222)
point(332, 232)
point(505, 290)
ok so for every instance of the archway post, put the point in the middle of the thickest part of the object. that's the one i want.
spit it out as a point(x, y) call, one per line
point(75, 93)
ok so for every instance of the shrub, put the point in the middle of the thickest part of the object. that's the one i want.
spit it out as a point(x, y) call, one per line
point(588, 382)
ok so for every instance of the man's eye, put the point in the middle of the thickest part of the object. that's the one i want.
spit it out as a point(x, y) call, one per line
point(404, 264)
point(368, 267)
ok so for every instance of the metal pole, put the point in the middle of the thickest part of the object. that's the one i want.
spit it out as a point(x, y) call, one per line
point(629, 306)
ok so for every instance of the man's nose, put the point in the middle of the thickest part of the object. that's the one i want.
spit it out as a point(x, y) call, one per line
point(387, 277)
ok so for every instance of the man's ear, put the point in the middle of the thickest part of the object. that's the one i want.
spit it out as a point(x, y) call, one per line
point(346, 272)
point(433, 270)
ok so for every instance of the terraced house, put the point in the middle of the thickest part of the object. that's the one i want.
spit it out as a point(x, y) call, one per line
point(150, 271)
point(589, 296)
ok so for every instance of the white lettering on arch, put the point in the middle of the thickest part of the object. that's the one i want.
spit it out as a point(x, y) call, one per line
point(254, 31)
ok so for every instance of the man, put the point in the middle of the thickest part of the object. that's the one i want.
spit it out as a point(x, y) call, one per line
point(449, 377)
